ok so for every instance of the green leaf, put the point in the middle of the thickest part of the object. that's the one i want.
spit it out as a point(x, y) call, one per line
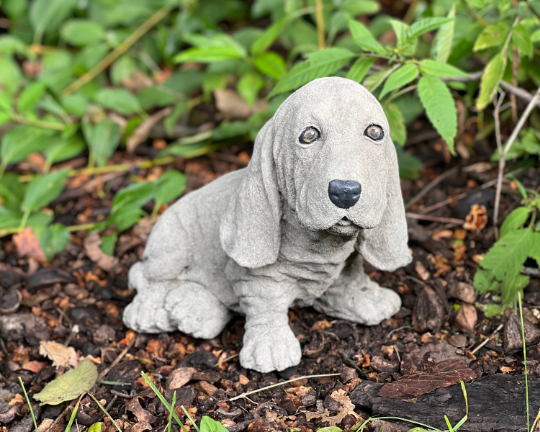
point(330, 429)
point(521, 38)
point(506, 257)
point(12, 191)
point(119, 100)
point(443, 70)
point(20, 141)
point(409, 165)
point(403, 75)
point(263, 42)
point(125, 217)
point(442, 46)
point(360, 68)
point(210, 425)
point(96, 427)
point(492, 36)
point(63, 150)
point(360, 7)
point(156, 96)
point(70, 385)
point(249, 85)
point(53, 239)
point(535, 248)
point(211, 49)
point(374, 80)
point(102, 139)
point(270, 63)
point(321, 63)
point(108, 243)
point(515, 220)
point(426, 25)
point(80, 32)
point(512, 283)
point(398, 131)
point(10, 45)
point(136, 194)
point(179, 110)
point(535, 37)
point(48, 14)
point(30, 95)
point(5, 102)
point(490, 80)
point(364, 39)
point(169, 187)
point(44, 189)
point(75, 104)
point(13, 219)
point(11, 76)
point(440, 107)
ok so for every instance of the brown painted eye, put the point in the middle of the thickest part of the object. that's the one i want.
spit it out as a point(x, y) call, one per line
point(309, 135)
point(374, 132)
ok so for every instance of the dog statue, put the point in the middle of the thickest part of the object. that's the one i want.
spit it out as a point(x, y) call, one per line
point(320, 195)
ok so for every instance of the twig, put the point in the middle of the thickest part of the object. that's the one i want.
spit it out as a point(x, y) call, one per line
point(515, 70)
point(118, 51)
point(497, 120)
point(518, 91)
point(430, 186)
point(122, 395)
point(529, 271)
point(117, 359)
point(502, 157)
point(243, 395)
point(434, 218)
point(497, 330)
point(319, 18)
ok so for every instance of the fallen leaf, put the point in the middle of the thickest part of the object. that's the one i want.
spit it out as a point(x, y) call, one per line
point(421, 270)
point(462, 291)
point(441, 374)
point(27, 244)
point(61, 355)
point(143, 416)
point(346, 407)
point(92, 245)
point(70, 385)
point(141, 132)
point(477, 218)
point(180, 377)
point(156, 347)
point(34, 366)
point(466, 318)
point(233, 107)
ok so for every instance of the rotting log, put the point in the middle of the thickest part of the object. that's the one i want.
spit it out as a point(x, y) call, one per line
point(496, 404)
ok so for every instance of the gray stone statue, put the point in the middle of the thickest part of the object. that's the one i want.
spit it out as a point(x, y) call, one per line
point(320, 195)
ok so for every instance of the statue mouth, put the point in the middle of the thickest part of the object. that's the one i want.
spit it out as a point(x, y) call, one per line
point(345, 227)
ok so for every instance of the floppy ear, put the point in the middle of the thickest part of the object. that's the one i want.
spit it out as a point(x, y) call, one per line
point(385, 246)
point(250, 230)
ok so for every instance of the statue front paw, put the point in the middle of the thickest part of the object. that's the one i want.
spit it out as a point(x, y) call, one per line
point(270, 349)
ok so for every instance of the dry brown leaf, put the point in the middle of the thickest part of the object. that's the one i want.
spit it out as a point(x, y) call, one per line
point(60, 355)
point(421, 270)
point(92, 243)
point(466, 318)
point(27, 244)
point(233, 107)
point(477, 218)
point(346, 407)
point(143, 228)
point(34, 366)
point(143, 416)
point(442, 374)
point(137, 81)
point(180, 377)
point(141, 132)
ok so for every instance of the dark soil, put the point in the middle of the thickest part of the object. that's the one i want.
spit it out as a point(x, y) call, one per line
point(75, 302)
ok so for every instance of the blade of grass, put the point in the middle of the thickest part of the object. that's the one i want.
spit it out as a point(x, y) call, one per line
point(163, 400)
point(29, 404)
point(105, 411)
point(73, 414)
point(169, 426)
point(450, 428)
point(189, 417)
point(363, 425)
point(524, 359)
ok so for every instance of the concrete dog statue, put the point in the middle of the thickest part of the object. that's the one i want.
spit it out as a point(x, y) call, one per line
point(320, 194)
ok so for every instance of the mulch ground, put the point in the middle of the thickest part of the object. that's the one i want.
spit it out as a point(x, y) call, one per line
point(75, 302)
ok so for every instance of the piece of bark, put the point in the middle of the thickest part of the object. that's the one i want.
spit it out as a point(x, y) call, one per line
point(428, 313)
point(512, 334)
point(496, 404)
point(441, 374)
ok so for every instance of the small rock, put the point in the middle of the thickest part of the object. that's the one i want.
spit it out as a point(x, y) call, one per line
point(512, 334)
point(180, 377)
point(104, 335)
point(380, 364)
point(428, 313)
point(347, 374)
point(462, 291)
point(200, 357)
point(331, 404)
point(8, 276)
point(309, 399)
point(458, 340)
point(184, 396)
point(466, 318)
point(17, 326)
point(289, 406)
point(49, 276)
point(209, 376)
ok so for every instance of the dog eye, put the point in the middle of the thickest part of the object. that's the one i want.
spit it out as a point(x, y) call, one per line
point(309, 135)
point(374, 132)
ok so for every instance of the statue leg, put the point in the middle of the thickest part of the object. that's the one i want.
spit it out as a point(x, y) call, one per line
point(355, 297)
point(163, 306)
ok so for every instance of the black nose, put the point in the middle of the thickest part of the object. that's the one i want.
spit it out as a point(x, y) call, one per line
point(344, 193)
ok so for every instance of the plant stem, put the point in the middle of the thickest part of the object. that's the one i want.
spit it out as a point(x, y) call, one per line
point(105, 411)
point(118, 51)
point(38, 123)
point(29, 404)
point(524, 358)
point(319, 16)
point(72, 228)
